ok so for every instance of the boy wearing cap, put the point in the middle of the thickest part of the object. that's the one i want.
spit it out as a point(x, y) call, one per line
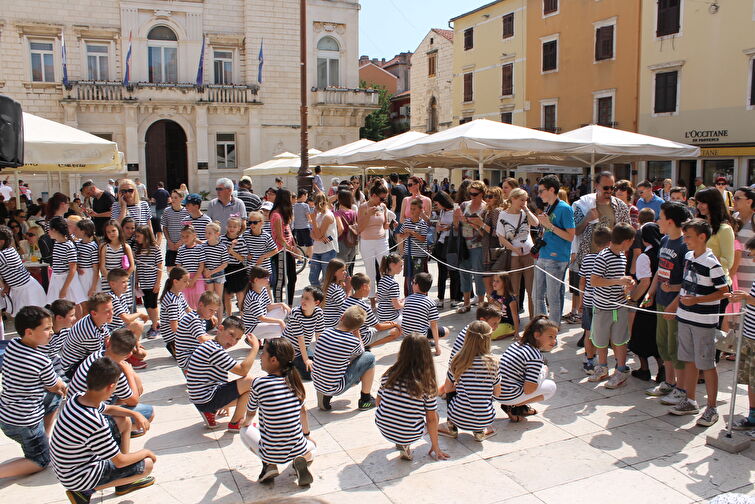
point(193, 204)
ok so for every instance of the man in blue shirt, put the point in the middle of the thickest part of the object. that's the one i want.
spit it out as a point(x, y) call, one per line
point(648, 199)
point(558, 223)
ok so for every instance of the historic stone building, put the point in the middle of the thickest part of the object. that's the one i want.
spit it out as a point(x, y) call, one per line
point(174, 120)
point(432, 81)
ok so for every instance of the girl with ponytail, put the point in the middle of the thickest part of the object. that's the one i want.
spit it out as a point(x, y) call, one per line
point(282, 434)
point(173, 306)
point(64, 283)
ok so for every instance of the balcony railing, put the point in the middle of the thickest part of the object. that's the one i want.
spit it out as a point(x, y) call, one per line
point(100, 91)
point(344, 96)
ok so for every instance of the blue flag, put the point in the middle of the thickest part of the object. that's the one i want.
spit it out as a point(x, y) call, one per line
point(127, 71)
point(261, 57)
point(200, 68)
point(65, 59)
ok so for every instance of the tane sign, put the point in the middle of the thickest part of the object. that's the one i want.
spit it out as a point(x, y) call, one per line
point(705, 136)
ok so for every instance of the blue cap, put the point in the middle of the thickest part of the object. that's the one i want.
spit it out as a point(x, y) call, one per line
point(193, 198)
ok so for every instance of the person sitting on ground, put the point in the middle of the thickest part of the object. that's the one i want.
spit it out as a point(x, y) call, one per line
point(88, 334)
point(63, 314)
point(261, 316)
point(192, 327)
point(373, 333)
point(31, 393)
point(524, 373)
point(303, 325)
point(341, 361)
point(122, 316)
point(87, 454)
point(420, 314)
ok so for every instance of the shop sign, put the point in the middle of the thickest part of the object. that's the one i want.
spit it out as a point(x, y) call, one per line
point(705, 136)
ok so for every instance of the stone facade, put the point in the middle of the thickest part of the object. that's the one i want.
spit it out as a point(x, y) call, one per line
point(262, 116)
point(428, 89)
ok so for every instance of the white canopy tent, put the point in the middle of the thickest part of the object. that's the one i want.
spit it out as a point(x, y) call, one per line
point(285, 163)
point(375, 154)
point(330, 157)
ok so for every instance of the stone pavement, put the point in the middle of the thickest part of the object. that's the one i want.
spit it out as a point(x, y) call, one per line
point(619, 446)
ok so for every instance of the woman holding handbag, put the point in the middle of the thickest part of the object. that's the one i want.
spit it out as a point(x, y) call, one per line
point(513, 230)
point(446, 249)
point(492, 259)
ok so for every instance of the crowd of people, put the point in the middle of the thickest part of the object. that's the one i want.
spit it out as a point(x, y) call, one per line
point(650, 272)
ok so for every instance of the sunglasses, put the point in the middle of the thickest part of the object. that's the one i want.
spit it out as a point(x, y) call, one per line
point(474, 194)
point(254, 222)
point(720, 183)
point(409, 185)
point(126, 191)
point(489, 196)
point(221, 188)
point(608, 188)
point(31, 235)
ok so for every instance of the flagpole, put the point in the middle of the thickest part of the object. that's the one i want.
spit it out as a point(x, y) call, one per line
point(304, 177)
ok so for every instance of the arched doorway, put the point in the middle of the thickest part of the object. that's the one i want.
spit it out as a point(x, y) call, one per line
point(165, 149)
point(432, 116)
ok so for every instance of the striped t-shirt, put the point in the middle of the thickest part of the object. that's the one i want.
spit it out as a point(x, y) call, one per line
point(141, 212)
point(413, 247)
point(12, 269)
point(63, 254)
point(611, 266)
point(83, 339)
point(387, 290)
point(255, 306)
point(519, 363)
point(334, 351)
point(26, 373)
point(472, 406)
point(369, 321)
point(190, 329)
point(207, 370)
point(257, 246)
point(121, 306)
point(298, 324)
point(172, 221)
point(749, 319)
point(419, 311)
point(702, 276)
point(400, 417)
point(147, 266)
point(215, 255)
point(87, 254)
point(239, 248)
point(78, 384)
point(585, 271)
point(172, 307)
point(189, 258)
point(198, 223)
point(746, 270)
point(52, 349)
point(334, 298)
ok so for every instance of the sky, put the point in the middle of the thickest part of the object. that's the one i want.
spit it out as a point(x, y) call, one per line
point(388, 27)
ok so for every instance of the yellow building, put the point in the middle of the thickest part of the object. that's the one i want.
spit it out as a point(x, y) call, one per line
point(697, 85)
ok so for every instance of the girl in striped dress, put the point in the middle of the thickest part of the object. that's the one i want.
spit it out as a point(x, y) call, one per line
point(191, 258)
point(389, 299)
point(336, 288)
point(64, 283)
point(236, 276)
point(114, 253)
point(88, 254)
point(473, 376)
point(407, 400)
point(173, 306)
point(523, 372)
point(215, 259)
point(149, 274)
point(262, 317)
point(24, 289)
point(282, 434)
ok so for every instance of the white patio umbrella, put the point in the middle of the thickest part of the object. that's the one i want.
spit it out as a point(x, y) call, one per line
point(330, 157)
point(375, 154)
point(481, 141)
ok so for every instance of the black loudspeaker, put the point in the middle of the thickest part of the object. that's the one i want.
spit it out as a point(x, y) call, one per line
point(11, 133)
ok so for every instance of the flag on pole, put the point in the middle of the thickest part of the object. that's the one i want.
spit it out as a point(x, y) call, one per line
point(65, 58)
point(127, 72)
point(200, 68)
point(261, 57)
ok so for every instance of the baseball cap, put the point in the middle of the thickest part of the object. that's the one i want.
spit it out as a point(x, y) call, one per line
point(246, 178)
point(87, 183)
point(267, 205)
point(193, 198)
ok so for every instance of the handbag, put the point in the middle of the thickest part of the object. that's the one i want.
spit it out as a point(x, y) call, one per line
point(726, 342)
point(124, 262)
point(501, 257)
point(350, 238)
point(452, 248)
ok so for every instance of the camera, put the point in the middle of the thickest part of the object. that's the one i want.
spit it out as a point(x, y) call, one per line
point(539, 243)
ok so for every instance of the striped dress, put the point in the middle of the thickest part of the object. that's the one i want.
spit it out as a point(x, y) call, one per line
point(401, 417)
point(298, 324)
point(172, 307)
point(518, 364)
point(334, 298)
point(387, 290)
point(113, 259)
point(26, 373)
point(472, 406)
point(148, 263)
point(281, 435)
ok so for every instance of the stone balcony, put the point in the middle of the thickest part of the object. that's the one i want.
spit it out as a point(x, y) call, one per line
point(97, 92)
point(346, 97)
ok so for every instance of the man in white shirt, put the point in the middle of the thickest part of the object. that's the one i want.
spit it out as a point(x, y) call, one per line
point(6, 190)
point(141, 188)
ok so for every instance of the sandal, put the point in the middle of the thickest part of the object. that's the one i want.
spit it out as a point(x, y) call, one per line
point(463, 309)
point(523, 411)
point(512, 417)
point(449, 430)
point(481, 436)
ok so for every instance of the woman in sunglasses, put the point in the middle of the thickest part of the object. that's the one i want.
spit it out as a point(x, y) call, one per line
point(415, 192)
point(725, 193)
point(128, 204)
point(471, 226)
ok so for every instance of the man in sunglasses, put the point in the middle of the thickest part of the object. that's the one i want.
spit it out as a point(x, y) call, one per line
point(225, 205)
point(648, 199)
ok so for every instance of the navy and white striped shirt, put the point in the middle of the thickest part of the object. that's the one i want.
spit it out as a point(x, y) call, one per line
point(401, 417)
point(748, 329)
point(12, 269)
point(611, 266)
point(585, 271)
point(78, 384)
point(334, 350)
point(81, 445)
point(141, 212)
point(702, 276)
point(113, 259)
point(257, 246)
point(298, 324)
point(239, 248)
point(63, 254)
point(255, 306)
point(88, 254)
point(83, 339)
point(519, 363)
point(458, 344)
point(121, 306)
point(369, 321)
point(172, 307)
point(215, 255)
point(189, 258)
point(172, 222)
point(387, 290)
point(199, 224)
point(414, 247)
point(281, 435)
point(26, 373)
point(148, 263)
point(190, 329)
point(472, 406)
point(207, 370)
point(333, 309)
point(419, 311)
point(52, 349)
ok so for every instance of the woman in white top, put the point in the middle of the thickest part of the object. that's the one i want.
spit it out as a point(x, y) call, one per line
point(445, 207)
point(513, 232)
point(325, 232)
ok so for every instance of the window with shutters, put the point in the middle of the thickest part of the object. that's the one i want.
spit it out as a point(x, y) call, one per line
point(549, 117)
point(604, 43)
point(468, 87)
point(507, 117)
point(605, 111)
point(507, 79)
point(550, 55)
point(432, 60)
point(508, 25)
point(550, 7)
point(468, 39)
point(666, 92)
point(669, 13)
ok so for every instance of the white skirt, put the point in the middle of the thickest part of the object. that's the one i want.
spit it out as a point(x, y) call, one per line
point(85, 279)
point(29, 294)
point(75, 292)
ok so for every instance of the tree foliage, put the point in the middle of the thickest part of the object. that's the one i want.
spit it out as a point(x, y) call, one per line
point(377, 124)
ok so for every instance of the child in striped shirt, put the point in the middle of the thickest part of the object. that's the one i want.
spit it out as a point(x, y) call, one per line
point(215, 259)
point(610, 317)
point(63, 317)
point(31, 393)
point(373, 333)
point(173, 306)
point(261, 317)
point(407, 400)
point(335, 287)
point(601, 237)
point(88, 335)
point(282, 435)
point(191, 258)
point(259, 243)
point(149, 274)
point(421, 313)
point(87, 250)
point(236, 276)
point(64, 282)
point(389, 302)
point(114, 253)
point(303, 325)
point(192, 328)
point(414, 231)
point(122, 316)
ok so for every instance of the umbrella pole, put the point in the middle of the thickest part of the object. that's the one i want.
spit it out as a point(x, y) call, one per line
point(480, 166)
point(17, 189)
point(592, 171)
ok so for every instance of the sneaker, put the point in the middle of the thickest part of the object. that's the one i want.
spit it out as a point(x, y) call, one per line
point(439, 303)
point(79, 496)
point(135, 485)
point(323, 402)
point(588, 367)
point(617, 379)
point(152, 333)
point(661, 389)
point(137, 433)
point(234, 426)
point(303, 476)
point(268, 473)
point(599, 374)
point(685, 407)
point(743, 424)
point(674, 397)
point(136, 363)
point(366, 404)
point(209, 419)
point(405, 450)
point(708, 418)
